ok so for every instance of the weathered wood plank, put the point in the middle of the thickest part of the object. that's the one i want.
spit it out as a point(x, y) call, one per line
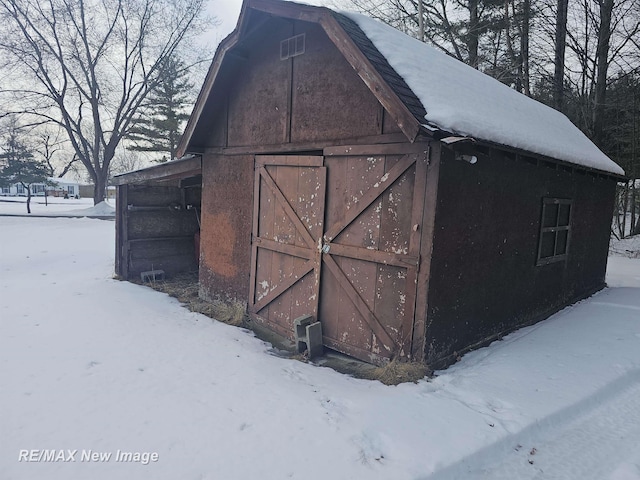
point(292, 250)
point(254, 234)
point(296, 275)
point(161, 224)
point(307, 146)
point(301, 229)
point(266, 215)
point(375, 149)
point(285, 177)
point(426, 248)
point(294, 160)
point(122, 233)
point(369, 317)
point(415, 229)
point(376, 256)
point(355, 351)
point(377, 189)
point(176, 168)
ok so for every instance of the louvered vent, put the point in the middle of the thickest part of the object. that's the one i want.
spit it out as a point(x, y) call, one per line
point(292, 47)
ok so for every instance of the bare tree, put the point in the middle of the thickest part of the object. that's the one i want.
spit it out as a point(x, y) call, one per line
point(558, 62)
point(602, 43)
point(50, 148)
point(605, 8)
point(512, 65)
point(524, 47)
point(88, 65)
point(126, 160)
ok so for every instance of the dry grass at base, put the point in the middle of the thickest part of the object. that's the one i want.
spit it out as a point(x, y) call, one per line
point(395, 372)
point(184, 287)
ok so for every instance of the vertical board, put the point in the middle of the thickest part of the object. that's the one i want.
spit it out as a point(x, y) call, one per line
point(258, 112)
point(368, 293)
point(290, 214)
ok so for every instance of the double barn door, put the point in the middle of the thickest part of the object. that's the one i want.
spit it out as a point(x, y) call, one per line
point(338, 237)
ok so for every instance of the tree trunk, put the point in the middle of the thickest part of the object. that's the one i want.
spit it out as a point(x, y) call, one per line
point(602, 59)
point(561, 37)
point(634, 226)
point(625, 207)
point(420, 21)
point(472, 40)
point(28, 198)
point(524, 46)
point(99, 189)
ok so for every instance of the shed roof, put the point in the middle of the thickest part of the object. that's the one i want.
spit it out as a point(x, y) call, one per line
point(181, 168)
point(465, 101)
point(423, 87)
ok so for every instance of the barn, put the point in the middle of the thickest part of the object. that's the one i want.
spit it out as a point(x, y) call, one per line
point(337, 169)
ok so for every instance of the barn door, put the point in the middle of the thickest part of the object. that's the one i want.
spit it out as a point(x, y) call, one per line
point(365, 240)
point(372, 251)
point(287, 224)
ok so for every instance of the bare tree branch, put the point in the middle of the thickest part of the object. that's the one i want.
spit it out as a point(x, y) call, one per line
point(91, 64)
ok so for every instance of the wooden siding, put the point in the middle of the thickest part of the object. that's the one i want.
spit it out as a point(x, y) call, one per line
point(484, 281)
point(225, 237)
point(329, 101)
point(313, 97)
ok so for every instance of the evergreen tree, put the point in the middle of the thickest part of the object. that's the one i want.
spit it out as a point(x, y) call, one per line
point(17, 165)
point(158, 128)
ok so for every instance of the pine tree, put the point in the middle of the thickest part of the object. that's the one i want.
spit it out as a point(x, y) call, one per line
point(17, 165)
point(158, 129)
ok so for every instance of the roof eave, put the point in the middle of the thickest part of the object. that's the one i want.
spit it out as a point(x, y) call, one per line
point(184, 167)
point(451, 140)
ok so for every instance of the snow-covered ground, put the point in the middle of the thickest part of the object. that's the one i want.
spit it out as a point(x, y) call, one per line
point(98, 366)
point(56, 206)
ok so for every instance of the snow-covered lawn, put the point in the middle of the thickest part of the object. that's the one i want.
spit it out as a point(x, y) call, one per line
point(56, 206)
point(100, 366)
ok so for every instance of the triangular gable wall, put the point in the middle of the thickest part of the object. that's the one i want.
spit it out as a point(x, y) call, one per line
point(256, 12)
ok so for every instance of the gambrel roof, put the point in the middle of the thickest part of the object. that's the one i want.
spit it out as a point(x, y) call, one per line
point(425, 90)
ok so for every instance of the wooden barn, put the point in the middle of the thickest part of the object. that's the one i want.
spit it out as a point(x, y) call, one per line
point(335, 167)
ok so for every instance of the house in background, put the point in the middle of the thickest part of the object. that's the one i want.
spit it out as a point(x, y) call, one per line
point(56, 187)
point(335, 167)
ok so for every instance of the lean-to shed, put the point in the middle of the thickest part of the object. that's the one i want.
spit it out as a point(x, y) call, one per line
point(413, 206)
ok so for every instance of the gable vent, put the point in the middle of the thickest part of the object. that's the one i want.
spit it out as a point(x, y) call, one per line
point(292, 47)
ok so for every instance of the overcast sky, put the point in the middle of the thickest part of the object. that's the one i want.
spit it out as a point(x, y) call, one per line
point(227, 12)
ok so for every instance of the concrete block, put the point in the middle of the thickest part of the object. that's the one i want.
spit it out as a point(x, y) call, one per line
point(308, 335)
point(152, 275)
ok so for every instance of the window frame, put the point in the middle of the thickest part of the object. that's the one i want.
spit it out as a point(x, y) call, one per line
point(293, 46)
point(555, 229)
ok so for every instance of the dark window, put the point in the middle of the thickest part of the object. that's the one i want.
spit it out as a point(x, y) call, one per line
point(555, 230)
point(292, 47)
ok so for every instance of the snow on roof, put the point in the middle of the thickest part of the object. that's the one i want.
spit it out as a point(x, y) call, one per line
point(463, 100)
point(61, 181)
